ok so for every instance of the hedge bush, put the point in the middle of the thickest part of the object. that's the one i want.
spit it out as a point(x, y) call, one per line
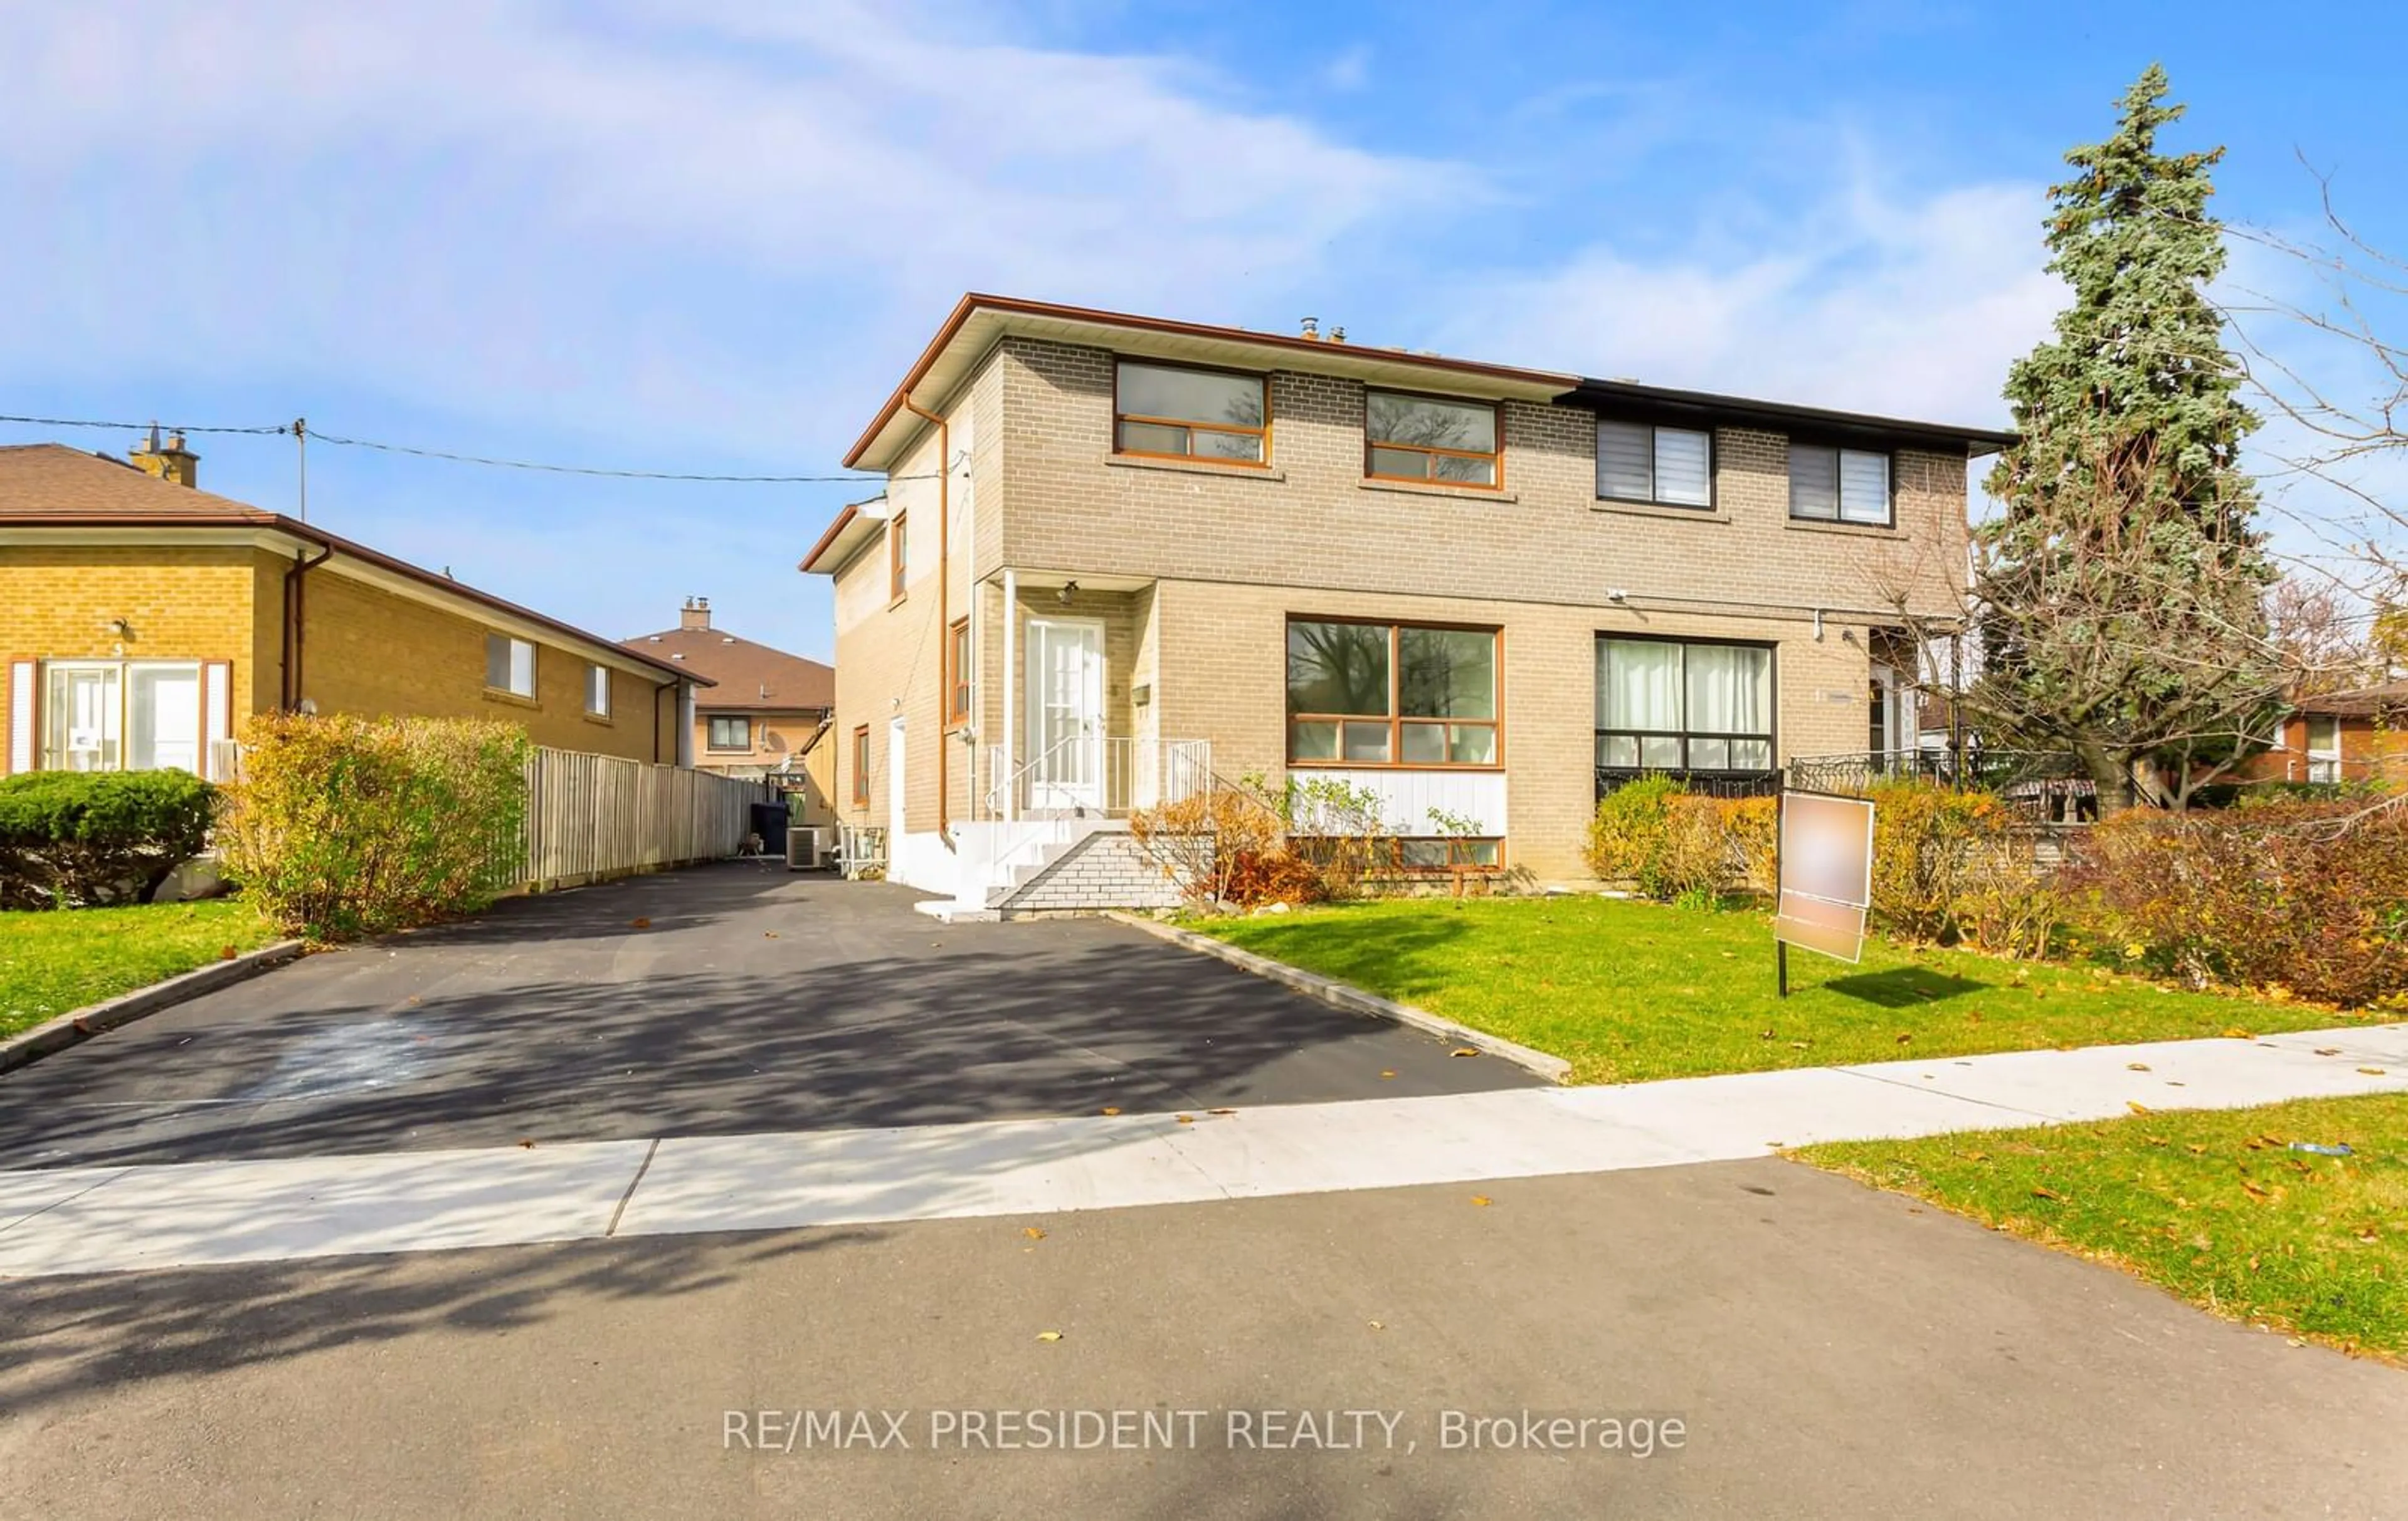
point(343, 825)
point(1932, 849)
point(1671, 844)
point(68, 839)
point(1630, 837)
point(2311, 898)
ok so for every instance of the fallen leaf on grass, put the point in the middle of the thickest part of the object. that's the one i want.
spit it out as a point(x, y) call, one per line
point(1974, 1156)
point(227, 954)
point(2255, 1192)
point(2157, 1141)
point(1048, 1336)
point(2136, 1108)
point(2237, 1033)
point(2048, 1193)
point(1904, 1036)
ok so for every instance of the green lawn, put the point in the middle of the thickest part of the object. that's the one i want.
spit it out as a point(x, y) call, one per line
point(1627, 991)
point(2216, 1207)
point(53, 962)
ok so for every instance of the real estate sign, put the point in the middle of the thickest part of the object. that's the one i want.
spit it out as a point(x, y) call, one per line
point(1827, 876)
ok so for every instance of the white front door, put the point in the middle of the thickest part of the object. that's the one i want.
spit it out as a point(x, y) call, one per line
point(895, 733)
point(1065, 714)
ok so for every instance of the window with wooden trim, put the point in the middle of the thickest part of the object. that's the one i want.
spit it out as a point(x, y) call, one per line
point(509, 664)
point(725, 733)
point(898, 555)
point(957, 673)
point(597, 690)
point(1839, 485)
point(1391, 695)
point(1430, 439)
point(860, 765)
point(1173, 411)
point(1637, 462)
point(132, 715)
point(1682, 706)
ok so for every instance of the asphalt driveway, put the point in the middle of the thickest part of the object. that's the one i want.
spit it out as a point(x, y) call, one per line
point(721, 1000)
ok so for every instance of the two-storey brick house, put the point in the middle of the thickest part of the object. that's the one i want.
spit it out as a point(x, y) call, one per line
point(1114, 552)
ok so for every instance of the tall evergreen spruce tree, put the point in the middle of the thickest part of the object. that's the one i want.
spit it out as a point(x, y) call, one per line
point(2121, 590)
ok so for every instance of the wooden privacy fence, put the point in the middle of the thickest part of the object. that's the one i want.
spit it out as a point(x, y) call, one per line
point(591, 817)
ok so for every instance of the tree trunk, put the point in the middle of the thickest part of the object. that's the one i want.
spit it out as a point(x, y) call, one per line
point(2112, 774)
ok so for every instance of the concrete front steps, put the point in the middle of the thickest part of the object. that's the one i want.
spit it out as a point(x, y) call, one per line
point(1075, 865)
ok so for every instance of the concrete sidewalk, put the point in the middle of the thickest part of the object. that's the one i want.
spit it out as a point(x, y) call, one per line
point(83, 1220)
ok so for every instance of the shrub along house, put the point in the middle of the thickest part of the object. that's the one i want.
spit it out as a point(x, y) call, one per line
point(767, 714)
point(141, 619)
point(1116, 554)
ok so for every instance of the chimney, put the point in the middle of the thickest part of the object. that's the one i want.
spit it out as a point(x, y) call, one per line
point(1338, 335)
point(170, 461)
point(1312, 328)
point(695, 613)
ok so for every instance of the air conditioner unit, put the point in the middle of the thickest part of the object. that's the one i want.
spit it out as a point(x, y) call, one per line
point(806, 849)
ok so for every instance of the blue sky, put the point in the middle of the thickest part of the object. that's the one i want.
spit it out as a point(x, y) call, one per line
point(708, 236)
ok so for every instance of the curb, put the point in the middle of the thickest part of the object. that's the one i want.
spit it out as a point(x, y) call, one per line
point(81, 1025)
point(1350, 997)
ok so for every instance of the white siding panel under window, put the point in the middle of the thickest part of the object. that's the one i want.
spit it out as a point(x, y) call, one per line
point(1624, 462)
point(1406, 798)
point(1684, 467)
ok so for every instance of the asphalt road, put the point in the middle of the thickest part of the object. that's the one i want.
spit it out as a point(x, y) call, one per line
point(1829, 1350)
point(722, 1000)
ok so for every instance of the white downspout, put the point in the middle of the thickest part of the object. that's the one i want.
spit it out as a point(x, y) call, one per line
point(1010, 685)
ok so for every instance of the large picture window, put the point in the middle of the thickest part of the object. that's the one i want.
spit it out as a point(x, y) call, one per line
point(1430, 438)
point(1664, 705)
point(1176, 413)
point(1391, 695)
point(121, 715)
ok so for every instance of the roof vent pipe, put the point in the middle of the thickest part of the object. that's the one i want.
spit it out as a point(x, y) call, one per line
point(1312, 328)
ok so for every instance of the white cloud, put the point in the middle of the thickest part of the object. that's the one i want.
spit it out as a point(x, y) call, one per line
point(1869, 302)
point(690, 215)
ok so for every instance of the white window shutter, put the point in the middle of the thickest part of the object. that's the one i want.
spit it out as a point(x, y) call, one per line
point(217, 714)
point(20, 715)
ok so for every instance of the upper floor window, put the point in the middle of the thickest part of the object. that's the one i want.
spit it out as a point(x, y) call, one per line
point(1640, 463)
point(860, 765)
point(509, 664)
point(597, 690)
point(898, 556)
point(1430, 438)
point(730, 734)
point(1176, 413)
point(1390, 695)
point(1838, 485)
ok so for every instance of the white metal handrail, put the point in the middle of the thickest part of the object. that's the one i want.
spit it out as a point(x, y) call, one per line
point(1098, 775)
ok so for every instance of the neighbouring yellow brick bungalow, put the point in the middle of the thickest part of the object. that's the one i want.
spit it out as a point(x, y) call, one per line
point(142, 618)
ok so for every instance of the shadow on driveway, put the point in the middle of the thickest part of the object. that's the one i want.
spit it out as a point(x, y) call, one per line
point(746, 1000)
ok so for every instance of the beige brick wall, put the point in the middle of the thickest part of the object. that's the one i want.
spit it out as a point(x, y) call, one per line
point(776, 737)
point(370, 651)
point(1311, 519)
point(1223, 678)
point(181, 603)
point(1236, 552)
